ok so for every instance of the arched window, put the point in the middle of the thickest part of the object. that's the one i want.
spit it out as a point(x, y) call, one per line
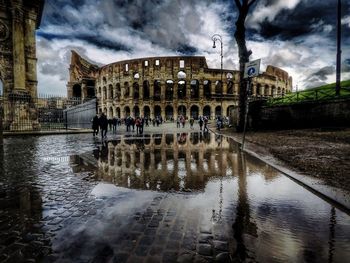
point(194, 89)
point(157, 90)
point(218, 87)
point(110, 92)
point(136, 90)
point(230, 88)
point(181, 110)
point(118, 91)
point(104, 96)
point(181, 90)
point(207, 89)
point(126, 90)
point(194, 112)
point(207, 111)
point(258, 89)
point(77, 91)
point(169, 91)
point(146, 91)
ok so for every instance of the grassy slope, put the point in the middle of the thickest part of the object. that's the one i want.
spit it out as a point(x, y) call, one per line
point(319, 93)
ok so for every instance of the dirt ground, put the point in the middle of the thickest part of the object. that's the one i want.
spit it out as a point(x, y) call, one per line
point(320, 153)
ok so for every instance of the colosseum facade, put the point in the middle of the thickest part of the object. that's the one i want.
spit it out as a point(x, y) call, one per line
point(167, 86)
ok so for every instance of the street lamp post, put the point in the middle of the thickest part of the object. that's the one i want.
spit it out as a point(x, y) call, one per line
point(217, 37)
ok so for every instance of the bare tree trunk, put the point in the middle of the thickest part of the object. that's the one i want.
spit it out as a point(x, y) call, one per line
point(243, 8)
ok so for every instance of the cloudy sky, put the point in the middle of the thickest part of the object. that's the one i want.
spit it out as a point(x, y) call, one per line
point(296, 35)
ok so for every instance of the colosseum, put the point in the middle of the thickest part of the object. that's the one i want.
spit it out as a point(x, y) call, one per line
point(166, 86)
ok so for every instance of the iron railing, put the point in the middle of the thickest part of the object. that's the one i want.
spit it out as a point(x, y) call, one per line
point(21, 112)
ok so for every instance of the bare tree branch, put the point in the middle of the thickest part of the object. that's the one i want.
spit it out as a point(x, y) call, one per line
point(238, 4)
point(251, 3)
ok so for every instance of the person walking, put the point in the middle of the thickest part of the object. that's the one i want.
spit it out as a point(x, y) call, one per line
point(200, 121)
point(205, 125)
point(178, 122)
point(95, 123)
point(191, 123)
point(114, 123)
point(103, 125)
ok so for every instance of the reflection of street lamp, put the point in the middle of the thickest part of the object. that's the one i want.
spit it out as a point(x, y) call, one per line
point(217, 37)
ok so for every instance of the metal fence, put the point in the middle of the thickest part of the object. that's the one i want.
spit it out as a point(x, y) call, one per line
point(21, 112)
point(80, 115)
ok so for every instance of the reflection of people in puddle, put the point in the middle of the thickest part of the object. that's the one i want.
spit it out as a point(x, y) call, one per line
point(104, 151)
point(182, 138)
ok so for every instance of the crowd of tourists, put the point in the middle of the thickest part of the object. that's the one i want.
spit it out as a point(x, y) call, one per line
point(102, 124)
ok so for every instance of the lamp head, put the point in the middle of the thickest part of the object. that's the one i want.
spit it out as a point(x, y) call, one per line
point(214, 46)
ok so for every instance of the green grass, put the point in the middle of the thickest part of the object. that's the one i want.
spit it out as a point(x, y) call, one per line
point(325, 92)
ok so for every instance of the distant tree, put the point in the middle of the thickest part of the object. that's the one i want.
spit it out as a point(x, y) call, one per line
point(243, 7)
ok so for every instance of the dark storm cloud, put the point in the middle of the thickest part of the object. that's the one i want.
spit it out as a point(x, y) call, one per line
point(164, 22)
point(322, 74)
point(307, 17)
point(346, 66)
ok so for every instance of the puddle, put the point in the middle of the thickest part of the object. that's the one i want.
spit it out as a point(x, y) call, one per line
point(263, 215)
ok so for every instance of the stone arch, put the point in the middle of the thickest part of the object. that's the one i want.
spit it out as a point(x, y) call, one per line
point(194, 89)
point(169, 90)
point(258, 89)
point(110, 91)
point(279, 91)
point(136, 88)
point(181, 110)
point(229, 109)
point(157, 111)
point(105, 111)
point(99, 92)
point(207, 111)
point(230, 88)
point(157, 90)
point(169, 112)
point(273, 91)
point(146, 90)
point(126, 89)
point(194, 111)
point(266, 90)
point(146, 111)
point(218, 87)
point(110, 113)
point(118, 91)
point(218, 110)
point(104, 92)
point(207, 89)
point(126, 111)
point(181, 90)
point(136, 111)
point(77, 92)
point(117, 112)
point(283, 92)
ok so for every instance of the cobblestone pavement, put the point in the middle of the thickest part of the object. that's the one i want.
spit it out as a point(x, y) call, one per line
point(52, 210)
point(48, 213)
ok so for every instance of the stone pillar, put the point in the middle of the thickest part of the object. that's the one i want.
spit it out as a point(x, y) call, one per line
point(19, 71)
point(30, 49)
point(83, 91)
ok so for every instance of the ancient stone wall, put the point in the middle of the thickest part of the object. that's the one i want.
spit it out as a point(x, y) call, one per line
point(169, 87)
point(18, 21)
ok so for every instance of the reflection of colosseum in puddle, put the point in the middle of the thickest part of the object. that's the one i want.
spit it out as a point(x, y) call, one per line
point(176, 161)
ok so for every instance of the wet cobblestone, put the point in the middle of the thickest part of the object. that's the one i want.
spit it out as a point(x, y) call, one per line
point(48, 213)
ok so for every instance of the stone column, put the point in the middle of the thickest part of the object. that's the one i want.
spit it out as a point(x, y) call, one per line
point(19, 71)
point(30, 49)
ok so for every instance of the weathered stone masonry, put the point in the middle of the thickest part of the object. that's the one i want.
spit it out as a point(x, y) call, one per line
point(166, 86)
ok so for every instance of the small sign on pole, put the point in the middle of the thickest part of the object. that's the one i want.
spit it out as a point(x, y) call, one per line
point(251, 69)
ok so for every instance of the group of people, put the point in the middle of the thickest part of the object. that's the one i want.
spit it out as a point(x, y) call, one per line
point(102, 123)
point(202, 121)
